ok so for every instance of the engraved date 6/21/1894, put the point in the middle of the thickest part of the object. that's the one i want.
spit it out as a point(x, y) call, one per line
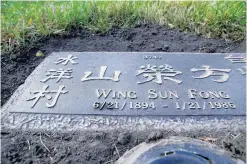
point(121, 106)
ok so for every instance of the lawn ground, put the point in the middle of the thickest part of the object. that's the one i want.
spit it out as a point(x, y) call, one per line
point(24, 23)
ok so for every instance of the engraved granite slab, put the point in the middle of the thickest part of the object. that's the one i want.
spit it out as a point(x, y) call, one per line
point(135, 84)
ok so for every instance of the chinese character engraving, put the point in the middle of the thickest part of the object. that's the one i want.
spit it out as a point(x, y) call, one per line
point(101, 75)
point(221, 73)
point(236, 59)
point(65, 61)
point(60, 74)
point(155, 74)
point(43, 93)
point(243, 70)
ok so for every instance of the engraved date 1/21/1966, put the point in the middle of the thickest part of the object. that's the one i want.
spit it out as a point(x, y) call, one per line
point(121, 106)
point(204, 105)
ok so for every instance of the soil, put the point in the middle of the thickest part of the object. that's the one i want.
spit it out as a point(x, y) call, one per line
point(93, 147)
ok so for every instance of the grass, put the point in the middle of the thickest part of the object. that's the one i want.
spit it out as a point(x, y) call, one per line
point(24, 23)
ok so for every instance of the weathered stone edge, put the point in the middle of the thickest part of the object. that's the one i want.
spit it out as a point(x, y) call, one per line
point(80, 122)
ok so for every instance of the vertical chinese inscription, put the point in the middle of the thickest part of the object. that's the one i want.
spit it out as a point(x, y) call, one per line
point(54, 74)
point(238, 59)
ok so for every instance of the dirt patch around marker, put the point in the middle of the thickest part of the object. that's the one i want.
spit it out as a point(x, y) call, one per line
point(95, 147)
point(91, 147)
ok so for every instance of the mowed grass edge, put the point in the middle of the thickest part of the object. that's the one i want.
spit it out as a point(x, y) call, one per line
point(24, 23)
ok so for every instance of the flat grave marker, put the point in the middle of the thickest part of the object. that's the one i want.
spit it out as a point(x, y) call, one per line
point(135, 84)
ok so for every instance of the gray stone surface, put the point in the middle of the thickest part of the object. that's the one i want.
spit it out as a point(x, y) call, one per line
point(76, 108)
point(176, 86)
